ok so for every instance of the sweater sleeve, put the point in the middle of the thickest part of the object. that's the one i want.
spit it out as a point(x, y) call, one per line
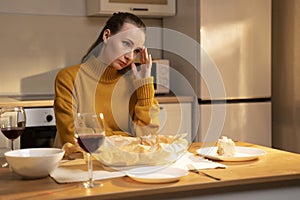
point(63, 107)
point(146, 108)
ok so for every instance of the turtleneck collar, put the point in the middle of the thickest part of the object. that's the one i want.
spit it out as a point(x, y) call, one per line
point(96, 69)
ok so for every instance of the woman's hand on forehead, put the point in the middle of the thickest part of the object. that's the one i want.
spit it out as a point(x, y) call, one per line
point(146, 65)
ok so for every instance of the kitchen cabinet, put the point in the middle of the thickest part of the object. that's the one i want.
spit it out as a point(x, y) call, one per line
point(145, 8)
point(176, 118)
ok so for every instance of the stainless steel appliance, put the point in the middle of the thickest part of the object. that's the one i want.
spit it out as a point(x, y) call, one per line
point(230, 51)
point(245, 68)
point(40, 128)
point(161, 74)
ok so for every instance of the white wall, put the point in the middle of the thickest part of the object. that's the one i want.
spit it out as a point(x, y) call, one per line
point(40, 37)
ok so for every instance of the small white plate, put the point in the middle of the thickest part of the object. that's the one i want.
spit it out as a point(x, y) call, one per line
point(241, 154)
point(156, 174)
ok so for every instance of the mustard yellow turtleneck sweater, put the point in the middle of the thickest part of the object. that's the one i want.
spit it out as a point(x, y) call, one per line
point(128, 104)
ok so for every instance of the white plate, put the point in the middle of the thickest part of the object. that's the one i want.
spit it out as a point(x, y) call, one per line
point(241, 154)
point(156, 174)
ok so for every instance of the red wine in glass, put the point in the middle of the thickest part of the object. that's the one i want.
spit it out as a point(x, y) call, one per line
point(12, 133)
point(12, 123)
point(90, 134)
point(90, 142)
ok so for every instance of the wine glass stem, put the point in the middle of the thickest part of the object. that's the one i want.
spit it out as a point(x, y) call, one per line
point(12, 145)
point(90, 167)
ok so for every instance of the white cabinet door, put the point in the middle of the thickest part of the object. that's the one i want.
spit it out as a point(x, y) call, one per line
point(176, 118)
point(145, 8)
point(246, 122)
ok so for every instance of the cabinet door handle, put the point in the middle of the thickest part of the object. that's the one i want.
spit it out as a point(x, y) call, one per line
point(161, 108)
point(139, 9)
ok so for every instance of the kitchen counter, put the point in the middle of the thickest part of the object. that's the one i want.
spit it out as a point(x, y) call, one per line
point(8, 101)
point(275, 175)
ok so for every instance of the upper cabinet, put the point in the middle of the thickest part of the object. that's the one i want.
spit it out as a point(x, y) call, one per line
point(144, 8)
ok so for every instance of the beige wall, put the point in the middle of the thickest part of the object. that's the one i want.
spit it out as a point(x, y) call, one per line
point(286, 75)
point(34, 46)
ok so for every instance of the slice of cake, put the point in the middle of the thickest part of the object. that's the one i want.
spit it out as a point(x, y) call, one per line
point(226, 147)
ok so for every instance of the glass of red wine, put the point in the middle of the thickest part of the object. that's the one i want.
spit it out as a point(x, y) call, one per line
point(90, 134)
point(12, 123)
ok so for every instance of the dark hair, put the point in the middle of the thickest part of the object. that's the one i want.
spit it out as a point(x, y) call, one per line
point(114, 24)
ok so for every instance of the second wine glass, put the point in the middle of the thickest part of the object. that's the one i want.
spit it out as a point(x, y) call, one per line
point(12, 123)
point(90, 134)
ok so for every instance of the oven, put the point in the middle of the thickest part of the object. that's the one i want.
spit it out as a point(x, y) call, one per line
point(40, 128)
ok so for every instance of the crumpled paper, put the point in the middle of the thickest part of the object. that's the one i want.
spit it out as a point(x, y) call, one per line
point(146, 150)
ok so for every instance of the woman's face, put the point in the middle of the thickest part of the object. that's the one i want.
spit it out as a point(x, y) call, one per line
point(121, 49)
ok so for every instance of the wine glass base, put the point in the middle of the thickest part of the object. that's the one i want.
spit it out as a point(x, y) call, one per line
point(89, 184)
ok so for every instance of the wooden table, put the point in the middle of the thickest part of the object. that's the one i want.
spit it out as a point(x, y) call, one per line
point(276, 173)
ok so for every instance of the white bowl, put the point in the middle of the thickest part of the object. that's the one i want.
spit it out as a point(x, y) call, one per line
point(35, 162)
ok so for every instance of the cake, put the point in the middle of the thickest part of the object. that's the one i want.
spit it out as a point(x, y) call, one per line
point(226, 147)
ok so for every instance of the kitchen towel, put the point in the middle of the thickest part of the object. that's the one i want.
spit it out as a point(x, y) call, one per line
point(76, 171)
point(197, 161)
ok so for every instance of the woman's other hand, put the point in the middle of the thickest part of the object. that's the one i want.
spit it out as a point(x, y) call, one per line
point(72, 151)
point(146, 65)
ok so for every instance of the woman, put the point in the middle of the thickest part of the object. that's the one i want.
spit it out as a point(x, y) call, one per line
point(108, 81)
